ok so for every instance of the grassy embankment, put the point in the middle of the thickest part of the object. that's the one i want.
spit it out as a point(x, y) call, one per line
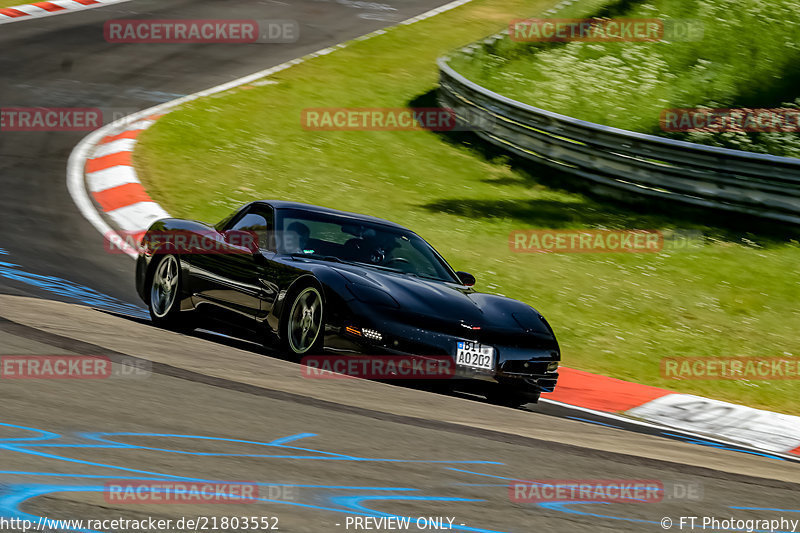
point(615, 314)
point(11, 3)
point(746, 54)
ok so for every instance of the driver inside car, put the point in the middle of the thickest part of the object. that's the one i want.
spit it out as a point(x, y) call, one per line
point(295, 238)
point(379, 247)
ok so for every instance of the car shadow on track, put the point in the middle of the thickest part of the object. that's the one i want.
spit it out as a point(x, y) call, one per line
point(242, 339)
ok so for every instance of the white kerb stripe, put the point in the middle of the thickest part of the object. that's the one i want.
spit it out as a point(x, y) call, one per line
point(67, 4)
point(110, 177)
point(30, 10)
point(137, 217)
point(122, 145)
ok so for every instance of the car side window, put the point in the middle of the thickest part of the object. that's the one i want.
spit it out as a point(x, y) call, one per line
point(258, 221)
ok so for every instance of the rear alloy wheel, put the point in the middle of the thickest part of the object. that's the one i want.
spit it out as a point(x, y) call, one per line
point(165, 286)
point(304, 324)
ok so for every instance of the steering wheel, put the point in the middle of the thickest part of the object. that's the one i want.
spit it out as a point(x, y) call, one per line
point(376, 256)
point(402, 260)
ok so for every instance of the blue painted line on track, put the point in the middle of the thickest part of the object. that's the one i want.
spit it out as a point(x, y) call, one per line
point(18, 492)
point(62, 287)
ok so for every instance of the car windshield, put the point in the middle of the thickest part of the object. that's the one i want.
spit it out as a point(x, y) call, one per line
point(340, 238)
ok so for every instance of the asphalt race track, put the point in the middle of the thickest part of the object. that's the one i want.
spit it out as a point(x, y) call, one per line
point(64, 61)
point(192, 409)
point(197, 410)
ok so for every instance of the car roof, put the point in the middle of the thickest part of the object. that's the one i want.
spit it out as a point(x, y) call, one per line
point(283, 204)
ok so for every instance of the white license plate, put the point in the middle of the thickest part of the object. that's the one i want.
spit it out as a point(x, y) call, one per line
point(475, 355)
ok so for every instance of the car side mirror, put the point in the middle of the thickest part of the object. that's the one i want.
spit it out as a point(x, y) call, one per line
point(466, 278)
point(242, 239)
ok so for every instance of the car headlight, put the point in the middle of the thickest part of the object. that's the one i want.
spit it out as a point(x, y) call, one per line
point(367, 333)
point(371, 295)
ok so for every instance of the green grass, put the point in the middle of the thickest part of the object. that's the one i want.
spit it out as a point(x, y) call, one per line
point(615, 314)
point(748, 57)
point(11, 3)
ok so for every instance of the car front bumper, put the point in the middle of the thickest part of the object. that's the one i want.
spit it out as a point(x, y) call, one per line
point(525, 368)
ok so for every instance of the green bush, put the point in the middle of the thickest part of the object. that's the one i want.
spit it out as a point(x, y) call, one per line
point(748, 56)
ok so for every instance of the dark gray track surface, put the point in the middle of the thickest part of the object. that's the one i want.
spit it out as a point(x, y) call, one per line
point(364, 440)
point(64, 61)
point(204, 410)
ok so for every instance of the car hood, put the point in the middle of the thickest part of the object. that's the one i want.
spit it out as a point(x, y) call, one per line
point(436, 301)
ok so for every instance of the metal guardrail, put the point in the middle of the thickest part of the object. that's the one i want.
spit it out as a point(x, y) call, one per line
point(706, 176)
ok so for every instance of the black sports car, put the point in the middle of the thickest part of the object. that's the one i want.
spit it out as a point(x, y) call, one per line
point(313, 279)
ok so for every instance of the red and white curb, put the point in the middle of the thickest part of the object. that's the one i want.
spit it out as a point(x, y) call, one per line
point(46, 9)
point(114, 186)
point(104, 185)
point(701, 417)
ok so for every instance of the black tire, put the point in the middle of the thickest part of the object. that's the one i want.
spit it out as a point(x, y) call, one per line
point(164, 291)
point(303, 326)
